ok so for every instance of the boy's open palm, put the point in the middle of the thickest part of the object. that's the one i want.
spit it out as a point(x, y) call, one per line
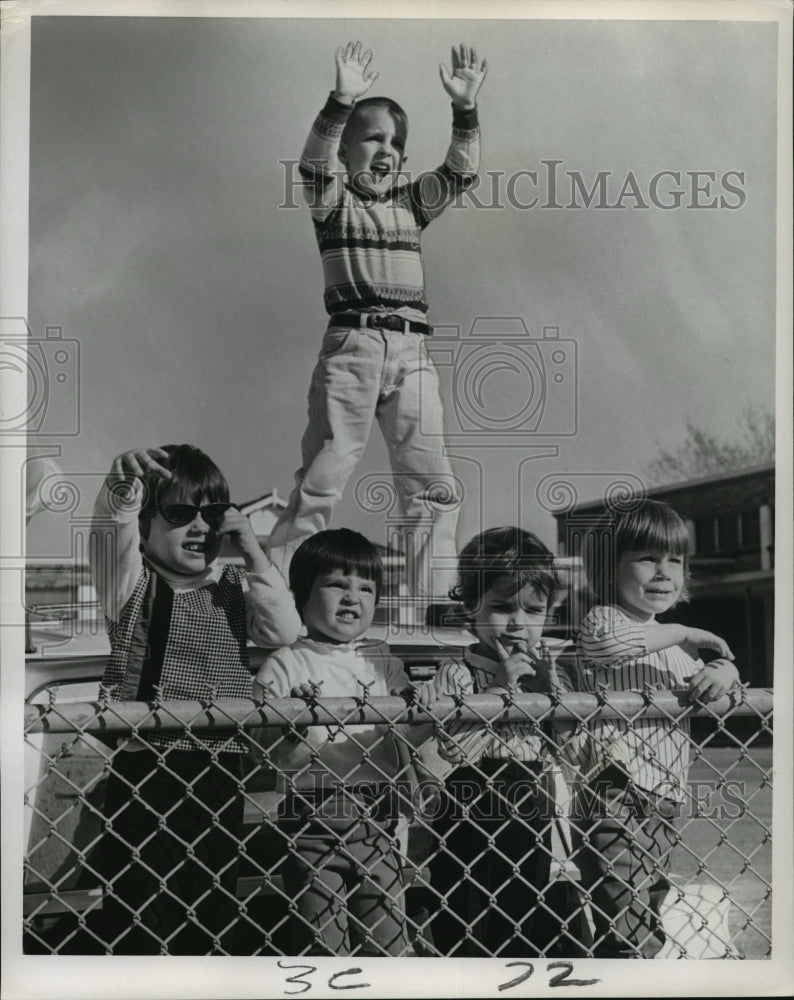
point(353, 75)
point(468, 73)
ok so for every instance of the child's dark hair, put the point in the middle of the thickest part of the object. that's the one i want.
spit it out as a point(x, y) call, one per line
point(330, 550)
point(194, 477)
point(506, 558)
point(394, 109)
point(647, 525)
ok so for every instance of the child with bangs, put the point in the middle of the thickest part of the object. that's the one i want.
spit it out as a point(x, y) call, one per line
point(179, 622)
point(492, 860)
point(342, 783)
point(635, 771)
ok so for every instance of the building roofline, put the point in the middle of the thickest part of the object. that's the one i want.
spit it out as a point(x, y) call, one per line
point(271, 497)
point(686, 484)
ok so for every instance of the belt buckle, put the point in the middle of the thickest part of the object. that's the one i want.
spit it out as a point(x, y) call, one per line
point(387, 321)
point(398, 323)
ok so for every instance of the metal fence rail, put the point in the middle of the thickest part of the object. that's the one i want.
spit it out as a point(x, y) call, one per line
point(462, 858)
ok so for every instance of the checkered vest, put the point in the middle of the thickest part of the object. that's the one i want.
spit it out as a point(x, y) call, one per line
point(206, 651)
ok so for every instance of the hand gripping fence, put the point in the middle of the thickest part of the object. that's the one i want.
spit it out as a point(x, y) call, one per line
point(285, 850)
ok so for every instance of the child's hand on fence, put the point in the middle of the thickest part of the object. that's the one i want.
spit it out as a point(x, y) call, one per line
point(698, 638)
point(236, 525)
point(713, 681)
point(353, 75)
point(466, 78)
point(139, 462)
point(306, 690)
point(421, 695)
point(517, 667)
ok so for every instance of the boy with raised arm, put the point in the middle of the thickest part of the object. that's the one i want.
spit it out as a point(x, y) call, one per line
point(368, 219)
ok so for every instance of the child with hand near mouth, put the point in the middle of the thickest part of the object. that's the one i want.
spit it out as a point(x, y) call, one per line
point(492, 836)
point(342, 800)
point(179, 623)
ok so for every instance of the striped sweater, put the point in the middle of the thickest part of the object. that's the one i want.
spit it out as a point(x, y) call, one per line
point(371, 246)
point(461, 742)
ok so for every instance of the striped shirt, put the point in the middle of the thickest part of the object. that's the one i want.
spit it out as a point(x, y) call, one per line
point(467, 742)
point(614, 656)
point(371, 246)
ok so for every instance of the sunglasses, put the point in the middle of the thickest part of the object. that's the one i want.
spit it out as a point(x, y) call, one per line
point(181, 514)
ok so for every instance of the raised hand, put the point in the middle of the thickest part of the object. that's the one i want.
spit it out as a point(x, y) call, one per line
point(353, 75)
point(139, 462)
point(468, 73)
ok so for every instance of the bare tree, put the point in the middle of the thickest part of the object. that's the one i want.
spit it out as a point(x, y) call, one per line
point(702, 453)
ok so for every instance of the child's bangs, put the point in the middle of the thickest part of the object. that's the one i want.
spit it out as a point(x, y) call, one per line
point(330, 551)
point(351, 557)
point(366, 565)
point(194, 477)
point(654, 526)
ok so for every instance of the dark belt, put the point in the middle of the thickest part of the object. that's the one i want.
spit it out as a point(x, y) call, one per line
point(383, 321)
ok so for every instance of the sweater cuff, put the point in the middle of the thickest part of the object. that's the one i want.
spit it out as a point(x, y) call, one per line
point(465, 119)
point(335, 110)
point(267, 586)
point(119, 500)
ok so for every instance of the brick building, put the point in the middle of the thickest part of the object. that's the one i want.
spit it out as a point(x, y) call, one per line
point(731, 526)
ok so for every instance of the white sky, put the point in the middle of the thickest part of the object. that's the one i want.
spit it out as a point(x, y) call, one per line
point(157, 241)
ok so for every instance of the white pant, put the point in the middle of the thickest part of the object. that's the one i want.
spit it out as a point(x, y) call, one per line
point(360, 374)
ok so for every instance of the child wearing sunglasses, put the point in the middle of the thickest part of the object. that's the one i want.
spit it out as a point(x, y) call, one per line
point(179, 621)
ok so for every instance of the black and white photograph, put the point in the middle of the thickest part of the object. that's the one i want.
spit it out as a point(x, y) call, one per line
point(396, 498)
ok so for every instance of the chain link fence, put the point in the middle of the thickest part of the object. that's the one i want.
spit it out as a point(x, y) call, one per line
point(130, 850)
